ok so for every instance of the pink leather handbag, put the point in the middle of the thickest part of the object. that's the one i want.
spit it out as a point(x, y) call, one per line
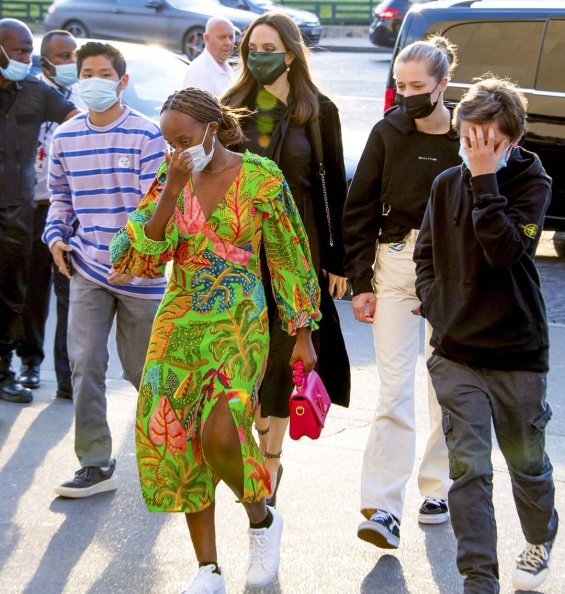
point(309, 404)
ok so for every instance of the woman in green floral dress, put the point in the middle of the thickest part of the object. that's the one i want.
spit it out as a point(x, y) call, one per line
point(210, 211)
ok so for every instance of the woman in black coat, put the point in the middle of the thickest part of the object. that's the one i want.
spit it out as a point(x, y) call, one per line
point(297, 127)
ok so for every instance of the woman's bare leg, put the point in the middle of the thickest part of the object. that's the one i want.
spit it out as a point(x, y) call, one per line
point(221, 447)
point(262, 427)
point(203, 534)
point(275, 438)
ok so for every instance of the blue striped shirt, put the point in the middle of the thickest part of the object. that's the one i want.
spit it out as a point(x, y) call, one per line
point(97, 176)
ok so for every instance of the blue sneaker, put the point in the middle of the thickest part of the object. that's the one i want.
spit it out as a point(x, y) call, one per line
point(382, 530)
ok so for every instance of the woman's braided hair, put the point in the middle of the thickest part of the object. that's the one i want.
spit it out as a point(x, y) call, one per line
point(205, 108)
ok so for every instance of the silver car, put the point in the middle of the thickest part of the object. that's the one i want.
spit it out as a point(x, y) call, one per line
point(176, 24)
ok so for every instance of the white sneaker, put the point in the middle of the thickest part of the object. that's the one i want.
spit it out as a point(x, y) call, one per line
point(264, 552)
point(206, 581)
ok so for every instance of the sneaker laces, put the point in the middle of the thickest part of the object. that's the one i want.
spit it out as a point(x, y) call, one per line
point(533, 557)
point(435, 502)
point(257, 540)
point(83, 472)
point(382, 515)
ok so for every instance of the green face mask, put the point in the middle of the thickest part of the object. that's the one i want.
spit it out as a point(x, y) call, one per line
point(266, 67)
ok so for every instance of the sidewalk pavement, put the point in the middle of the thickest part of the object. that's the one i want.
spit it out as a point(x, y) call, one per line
point(109, 543)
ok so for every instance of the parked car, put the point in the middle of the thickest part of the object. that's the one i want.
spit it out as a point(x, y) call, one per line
point(308, 22)
point(387, 19)
point(175, 24)
point(154, 74)
point(524, 42)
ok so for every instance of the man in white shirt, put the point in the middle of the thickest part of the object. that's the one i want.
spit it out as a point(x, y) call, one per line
point(211, 70)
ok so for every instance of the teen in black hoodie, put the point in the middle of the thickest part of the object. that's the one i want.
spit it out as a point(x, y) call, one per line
point(481, 292)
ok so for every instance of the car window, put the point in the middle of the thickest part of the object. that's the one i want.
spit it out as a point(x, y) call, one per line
point(551, 75)
point(508, 49)
point(143, 93)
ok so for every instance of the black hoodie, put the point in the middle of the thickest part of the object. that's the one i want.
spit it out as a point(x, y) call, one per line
point(396, 170)
point(475, 269)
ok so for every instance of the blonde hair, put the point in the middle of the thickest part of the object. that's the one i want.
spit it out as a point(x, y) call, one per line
point(493, 99)
point(304, 91)
point(205, 108)
point(437, 51)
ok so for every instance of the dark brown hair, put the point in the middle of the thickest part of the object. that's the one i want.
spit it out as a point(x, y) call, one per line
point(304, 91)
point(205, 108)
point(493, 99)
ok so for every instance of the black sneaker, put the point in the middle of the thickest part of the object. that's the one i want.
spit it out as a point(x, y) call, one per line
point(12, 391)
point(532, 566)
point(433, 511)
point(382, 530)
point(90, 480)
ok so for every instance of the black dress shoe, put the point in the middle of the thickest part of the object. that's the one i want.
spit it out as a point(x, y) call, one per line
point(12, 391)
point(29, 376)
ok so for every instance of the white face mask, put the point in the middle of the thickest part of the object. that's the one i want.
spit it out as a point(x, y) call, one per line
point(15, 71)
point(99, 94)
point(199, 157)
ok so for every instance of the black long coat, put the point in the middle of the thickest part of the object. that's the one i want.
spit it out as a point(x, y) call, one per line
point(333, 362)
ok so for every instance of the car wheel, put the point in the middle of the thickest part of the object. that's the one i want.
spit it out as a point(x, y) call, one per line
point(193, 42)
point(76, 28)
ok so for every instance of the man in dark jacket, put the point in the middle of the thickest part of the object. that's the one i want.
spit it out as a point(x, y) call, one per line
point(25, 103)
point(480, 291)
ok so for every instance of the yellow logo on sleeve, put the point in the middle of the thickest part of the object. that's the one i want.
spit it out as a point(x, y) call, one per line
point(530, 230)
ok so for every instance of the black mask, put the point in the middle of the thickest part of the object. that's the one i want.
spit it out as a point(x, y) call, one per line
point(417, 106)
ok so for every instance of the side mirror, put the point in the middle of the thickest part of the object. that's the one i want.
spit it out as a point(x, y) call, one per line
point(156, 4)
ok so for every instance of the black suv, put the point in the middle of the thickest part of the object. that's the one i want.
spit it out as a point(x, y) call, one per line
point(525, 43)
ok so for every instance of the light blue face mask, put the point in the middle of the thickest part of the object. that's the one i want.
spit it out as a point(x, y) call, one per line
point(15, 71)
point(501, 163)
point(65, 74)
point(99, 94)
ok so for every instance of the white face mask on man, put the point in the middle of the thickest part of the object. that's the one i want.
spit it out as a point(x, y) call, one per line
point(99, 94)
point(199, 157)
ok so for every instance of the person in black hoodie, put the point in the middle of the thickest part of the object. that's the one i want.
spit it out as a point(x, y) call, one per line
point(288, 112)
point(385, 205)
point(480, 290)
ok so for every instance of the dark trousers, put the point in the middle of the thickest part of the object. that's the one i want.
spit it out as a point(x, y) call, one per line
point(16, 223)
point(514, 401)
point(42, 273)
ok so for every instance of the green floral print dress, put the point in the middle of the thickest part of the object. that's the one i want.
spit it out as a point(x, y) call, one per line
point(210, 338)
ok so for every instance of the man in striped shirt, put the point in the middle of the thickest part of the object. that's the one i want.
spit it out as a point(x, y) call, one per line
point(101, 165)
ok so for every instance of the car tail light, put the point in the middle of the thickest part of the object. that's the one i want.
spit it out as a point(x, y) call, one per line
point(390, 96)
point(388, 14)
